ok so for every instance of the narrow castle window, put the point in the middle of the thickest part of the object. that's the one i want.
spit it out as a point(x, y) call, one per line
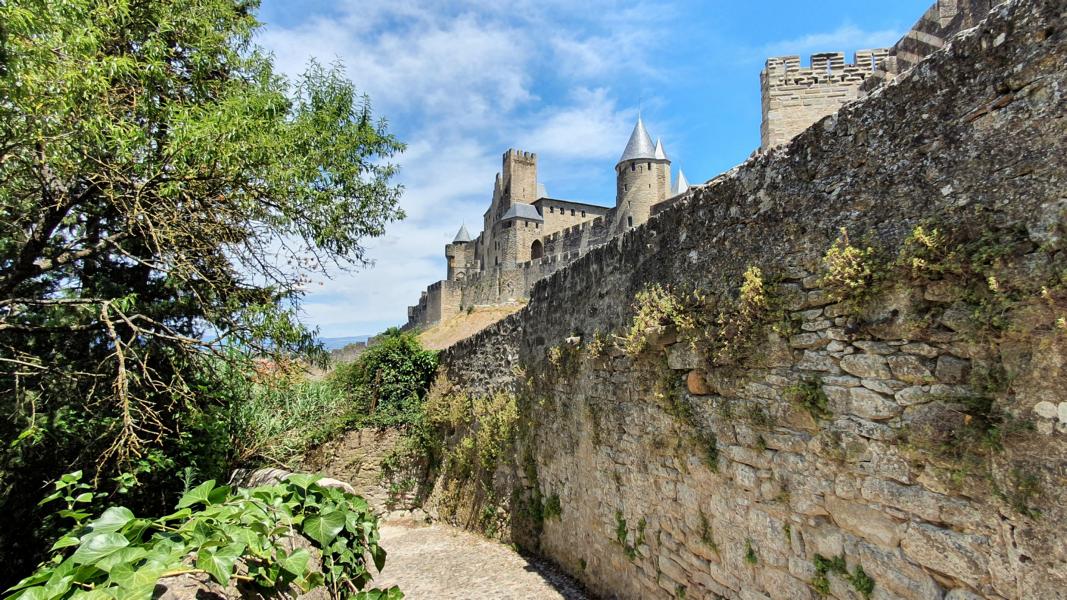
point(625, 187)
point(649, 166)
point(633, 166)
point(583, 213)
point(572, 212)
point(630, 221)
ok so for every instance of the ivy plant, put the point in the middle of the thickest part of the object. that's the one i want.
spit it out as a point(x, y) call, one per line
point(235, 536)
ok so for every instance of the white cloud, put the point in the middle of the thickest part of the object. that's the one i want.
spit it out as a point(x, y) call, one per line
point(590, 127)
point(461, 81)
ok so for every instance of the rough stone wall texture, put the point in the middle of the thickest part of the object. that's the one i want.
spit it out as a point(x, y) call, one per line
point(932, 31)
point(356, 458)
point(969, 140)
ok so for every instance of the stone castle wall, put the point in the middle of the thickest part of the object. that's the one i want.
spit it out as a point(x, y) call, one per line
point(938, 24)
point(675, 473)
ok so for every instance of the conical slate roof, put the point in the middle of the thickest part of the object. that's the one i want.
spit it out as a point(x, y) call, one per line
point(660, 154)
point(640, 144)
point(681, 186)
point(462, 235)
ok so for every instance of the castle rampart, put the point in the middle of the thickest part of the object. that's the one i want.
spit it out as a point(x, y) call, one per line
point(797, 468)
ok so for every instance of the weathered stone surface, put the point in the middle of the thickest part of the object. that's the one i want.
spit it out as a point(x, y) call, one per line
point(909, 369)
point(1046, 410)
point(696, 382)
point(683, 356)
point(864, 521)
point(952, 370)
point(964, 557)
point(872, 405)
point(866, 366)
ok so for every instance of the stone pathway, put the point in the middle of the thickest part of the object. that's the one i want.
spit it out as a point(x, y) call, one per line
point(437, 562)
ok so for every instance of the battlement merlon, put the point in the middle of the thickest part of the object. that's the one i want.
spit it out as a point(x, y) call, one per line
point(824, 63)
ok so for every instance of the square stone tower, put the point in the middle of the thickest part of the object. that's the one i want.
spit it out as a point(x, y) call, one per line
point(795, 97)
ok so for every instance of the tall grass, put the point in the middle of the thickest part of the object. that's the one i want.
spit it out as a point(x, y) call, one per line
point(277, 421)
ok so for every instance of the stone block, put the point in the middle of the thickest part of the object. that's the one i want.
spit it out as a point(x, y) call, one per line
point(816, 361)
point(696, 382)
point(952, 370)
point(909, 369)
point(864, 521)
point(866, 366)
point(808, 340)
point(912, 395)
point(924, 350)
point(958, 555)
point(872, 405)
point(683, 356)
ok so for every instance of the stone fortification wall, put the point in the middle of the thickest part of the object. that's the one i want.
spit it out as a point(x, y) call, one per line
point(509, 282)
point(879, 414)
point(938, 24)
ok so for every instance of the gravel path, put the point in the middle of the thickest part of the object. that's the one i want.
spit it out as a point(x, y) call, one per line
point(437, 562)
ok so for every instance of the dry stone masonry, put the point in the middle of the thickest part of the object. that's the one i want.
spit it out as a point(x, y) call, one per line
point(878, 412)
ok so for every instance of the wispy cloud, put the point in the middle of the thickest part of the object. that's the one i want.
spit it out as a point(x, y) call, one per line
point(845, 38)
point(461, 82)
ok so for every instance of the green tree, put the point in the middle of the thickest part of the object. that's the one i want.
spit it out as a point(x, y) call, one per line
point(164, 195)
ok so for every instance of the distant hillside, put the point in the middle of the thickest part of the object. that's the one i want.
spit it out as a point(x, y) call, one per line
point(336, 343)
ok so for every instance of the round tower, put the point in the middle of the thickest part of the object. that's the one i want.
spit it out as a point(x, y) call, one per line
point(643, 178)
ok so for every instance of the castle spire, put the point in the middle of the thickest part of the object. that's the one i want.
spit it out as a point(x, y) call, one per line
point(640, 144)
point(462, 235)
point(660, 154)
point(681, 186)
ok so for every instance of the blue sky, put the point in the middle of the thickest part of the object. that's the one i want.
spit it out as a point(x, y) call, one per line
point(462, 81)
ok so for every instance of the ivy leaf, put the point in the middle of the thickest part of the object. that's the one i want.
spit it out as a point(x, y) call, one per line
point(296, 563)
point(135, 583)
point(378, 554)
point(65, 542)
point(302, 480)
point(97, 546)
point(200, 493)
point(219, 564)
point(125, 555)
point(323, 528)
point(112, 520)
point(218, 495)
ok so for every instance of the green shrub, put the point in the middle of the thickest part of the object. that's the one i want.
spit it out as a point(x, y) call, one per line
point(388, 382)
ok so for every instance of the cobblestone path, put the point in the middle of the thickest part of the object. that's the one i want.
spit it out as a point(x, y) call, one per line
point(437, 562)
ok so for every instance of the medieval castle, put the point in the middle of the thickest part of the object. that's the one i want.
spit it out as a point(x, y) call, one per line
point(527, 235)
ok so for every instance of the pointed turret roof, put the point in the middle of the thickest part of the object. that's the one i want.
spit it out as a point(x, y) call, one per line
point(462, 235)
point(681, 186)
point(660, 154)
point(640, 144)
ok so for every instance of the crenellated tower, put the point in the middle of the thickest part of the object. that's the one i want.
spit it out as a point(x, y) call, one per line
point(643, 178)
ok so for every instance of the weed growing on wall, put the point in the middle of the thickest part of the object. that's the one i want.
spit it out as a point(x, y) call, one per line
point(859, 579)
point(851, 271)
point(656, 307)
point(808, 394)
